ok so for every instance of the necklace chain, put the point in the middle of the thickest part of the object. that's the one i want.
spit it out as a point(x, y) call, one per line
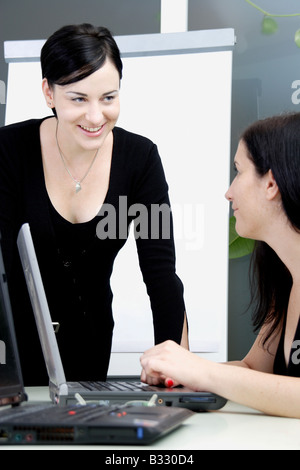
point(78, 182)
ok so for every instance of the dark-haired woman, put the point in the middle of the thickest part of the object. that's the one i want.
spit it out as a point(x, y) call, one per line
point(56, 174)
point(265, 197)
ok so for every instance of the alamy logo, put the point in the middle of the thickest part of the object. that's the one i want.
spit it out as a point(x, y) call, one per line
point(2, 353)
point(296, 354)
point(153, 222)
point(2, 92)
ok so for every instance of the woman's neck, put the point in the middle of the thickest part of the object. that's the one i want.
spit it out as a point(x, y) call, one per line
point(285, 241)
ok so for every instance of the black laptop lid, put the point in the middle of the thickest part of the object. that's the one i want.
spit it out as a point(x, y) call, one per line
point(11, 381)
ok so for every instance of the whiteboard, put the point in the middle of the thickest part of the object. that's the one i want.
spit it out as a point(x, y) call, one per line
point(176, 90)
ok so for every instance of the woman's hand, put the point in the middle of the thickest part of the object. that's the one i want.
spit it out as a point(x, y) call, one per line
point(169, 363)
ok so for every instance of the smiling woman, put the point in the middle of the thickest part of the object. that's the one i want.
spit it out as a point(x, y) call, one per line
point(56, 173)
point(265, 196)
point(90, 106)
point(81, 137)
point(86, 113)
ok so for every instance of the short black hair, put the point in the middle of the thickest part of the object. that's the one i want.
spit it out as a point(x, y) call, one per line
point(74, 52)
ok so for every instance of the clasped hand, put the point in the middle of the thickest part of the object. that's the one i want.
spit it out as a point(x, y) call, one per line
point(168, 363)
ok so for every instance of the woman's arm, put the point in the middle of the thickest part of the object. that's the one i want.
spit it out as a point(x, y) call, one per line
point(259, 389)
point(268, 393)
point(156, 249)
point(184, 338)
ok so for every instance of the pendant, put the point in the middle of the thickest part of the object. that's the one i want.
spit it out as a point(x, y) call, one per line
point(78, 187)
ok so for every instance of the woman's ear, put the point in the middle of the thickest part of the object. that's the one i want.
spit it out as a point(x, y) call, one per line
point(48, 93)
point(272, 190)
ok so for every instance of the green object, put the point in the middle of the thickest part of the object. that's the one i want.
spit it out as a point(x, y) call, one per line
point(269, 25)
point(238, 246)
point(297, 37)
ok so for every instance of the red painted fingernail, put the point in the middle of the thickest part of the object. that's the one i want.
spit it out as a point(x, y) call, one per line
point(170, 383)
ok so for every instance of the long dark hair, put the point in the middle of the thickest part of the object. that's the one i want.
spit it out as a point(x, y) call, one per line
point(75, 51)
point(274, 144)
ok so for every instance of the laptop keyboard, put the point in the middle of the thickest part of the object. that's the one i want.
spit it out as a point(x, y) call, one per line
point(54, 414)
point(115, 386)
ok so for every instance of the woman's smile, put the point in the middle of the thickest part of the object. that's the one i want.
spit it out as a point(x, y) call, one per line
point(92, 131)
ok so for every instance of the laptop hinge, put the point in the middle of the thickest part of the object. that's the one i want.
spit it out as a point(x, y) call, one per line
point(56, 391)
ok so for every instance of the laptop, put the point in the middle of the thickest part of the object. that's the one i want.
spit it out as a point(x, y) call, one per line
point(117, 389)
point(45, 423)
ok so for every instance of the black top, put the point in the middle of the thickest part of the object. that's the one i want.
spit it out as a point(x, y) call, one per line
point(75, 263)
point(293, 367)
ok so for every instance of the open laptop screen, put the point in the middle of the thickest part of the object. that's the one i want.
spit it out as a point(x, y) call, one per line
point(11, 382)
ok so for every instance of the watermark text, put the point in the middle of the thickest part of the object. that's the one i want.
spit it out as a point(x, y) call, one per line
point(2, 352)
point(153, 222)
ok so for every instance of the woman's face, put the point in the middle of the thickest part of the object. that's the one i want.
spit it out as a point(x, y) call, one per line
point(87, 110)
point(247, 195)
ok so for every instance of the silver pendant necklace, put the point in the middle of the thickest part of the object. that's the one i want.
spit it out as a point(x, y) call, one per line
point(76, 181)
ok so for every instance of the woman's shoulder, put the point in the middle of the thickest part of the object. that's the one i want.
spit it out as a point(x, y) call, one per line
point(18, 140)
point(23, 127)
point(138, 158)
point(136, 151)
point(124, 136)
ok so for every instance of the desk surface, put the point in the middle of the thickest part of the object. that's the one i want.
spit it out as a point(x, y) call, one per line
point(233, 427)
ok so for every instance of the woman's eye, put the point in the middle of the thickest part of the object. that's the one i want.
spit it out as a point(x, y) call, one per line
point(107, 99)
point(235, 169)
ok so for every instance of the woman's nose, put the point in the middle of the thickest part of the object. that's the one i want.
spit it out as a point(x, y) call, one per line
point(94, 114)
point(228, 195)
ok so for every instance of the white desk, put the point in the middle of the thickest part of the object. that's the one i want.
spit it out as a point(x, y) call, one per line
point(233, 427)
